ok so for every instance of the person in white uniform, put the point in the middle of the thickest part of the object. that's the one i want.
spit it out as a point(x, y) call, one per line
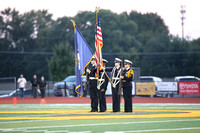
point(21, 84)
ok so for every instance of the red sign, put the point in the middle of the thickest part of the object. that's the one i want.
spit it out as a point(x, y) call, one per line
point(189, 88)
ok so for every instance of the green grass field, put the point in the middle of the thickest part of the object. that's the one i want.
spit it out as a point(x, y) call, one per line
point(75, 119)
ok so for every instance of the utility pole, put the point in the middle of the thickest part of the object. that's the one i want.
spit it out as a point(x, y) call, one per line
point(182, 19)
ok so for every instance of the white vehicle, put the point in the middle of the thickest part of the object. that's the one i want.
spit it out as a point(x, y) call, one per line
point(150, 79)
point(186, 78)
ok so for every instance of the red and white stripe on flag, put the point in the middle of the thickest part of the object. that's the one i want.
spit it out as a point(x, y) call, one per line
point(98, 46)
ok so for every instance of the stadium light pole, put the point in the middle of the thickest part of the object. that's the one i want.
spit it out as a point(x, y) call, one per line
point(182, 19)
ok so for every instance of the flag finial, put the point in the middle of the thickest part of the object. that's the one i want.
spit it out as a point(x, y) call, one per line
point(73, 22)
point(97, 9)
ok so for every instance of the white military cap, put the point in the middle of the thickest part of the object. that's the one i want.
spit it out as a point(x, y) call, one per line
point(104, 60)
point(93, 57)
point(127, 61)
point(118, 60)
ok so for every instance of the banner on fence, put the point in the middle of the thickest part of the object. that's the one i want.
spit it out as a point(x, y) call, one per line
point(189, 88)
point(145, 88)
point(167, 86)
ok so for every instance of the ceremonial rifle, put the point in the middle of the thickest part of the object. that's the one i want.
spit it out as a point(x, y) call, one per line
point(106, 74)
point(87, 80)
point(120, 82)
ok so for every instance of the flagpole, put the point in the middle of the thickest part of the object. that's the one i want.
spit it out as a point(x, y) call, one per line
point(98, 62)
point(97, 11)
point(75, 33)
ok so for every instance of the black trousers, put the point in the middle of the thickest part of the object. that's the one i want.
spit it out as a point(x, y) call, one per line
point(42, 90)
point(102, 101)
point(34, 89)
point(21, 92)
point(127, 93)
point(93, 95)
point(116, 99)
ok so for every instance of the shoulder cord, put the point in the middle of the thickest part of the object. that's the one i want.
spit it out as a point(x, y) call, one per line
point(116, 81)
point(101, 81)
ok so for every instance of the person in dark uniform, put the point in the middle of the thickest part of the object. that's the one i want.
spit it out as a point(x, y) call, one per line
point(34, 85)
point(103, 83)
point(116, 73)
point(42, 85)
point(127, 77)
point(93, 86)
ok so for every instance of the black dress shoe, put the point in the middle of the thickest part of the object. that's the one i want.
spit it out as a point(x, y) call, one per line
point(93, 111)
point(128, 111)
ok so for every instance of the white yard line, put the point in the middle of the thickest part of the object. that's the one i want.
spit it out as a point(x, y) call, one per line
point(147, 104)
point(98, 124)
point(153, 130)
point(167, 108)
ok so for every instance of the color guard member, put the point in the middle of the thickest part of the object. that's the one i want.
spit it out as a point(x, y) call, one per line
point(93, 85)
point(103, 83)
point(116, 73)
point(127, 77)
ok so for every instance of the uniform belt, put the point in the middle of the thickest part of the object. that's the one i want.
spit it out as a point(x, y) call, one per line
point(101, 79)
point(92, 78)
point(115, 78)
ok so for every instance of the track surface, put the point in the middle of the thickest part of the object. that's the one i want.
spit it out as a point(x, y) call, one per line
point(108, 99)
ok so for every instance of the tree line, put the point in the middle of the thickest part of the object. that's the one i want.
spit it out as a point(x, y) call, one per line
point(34, 43)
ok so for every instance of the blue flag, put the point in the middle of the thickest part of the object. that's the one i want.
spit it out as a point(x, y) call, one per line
point(83, 56)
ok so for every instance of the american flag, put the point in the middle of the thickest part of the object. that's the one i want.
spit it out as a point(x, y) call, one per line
point(98, 42)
